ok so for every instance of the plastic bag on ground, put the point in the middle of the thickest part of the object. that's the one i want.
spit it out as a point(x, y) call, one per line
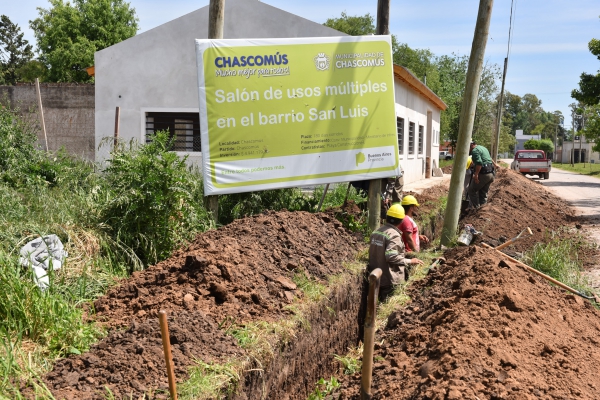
point(42, 254)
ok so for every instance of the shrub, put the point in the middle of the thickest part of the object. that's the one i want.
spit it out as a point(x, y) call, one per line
point(532, 144)
point(18, 152)
point(238, 205)
point(152, 202)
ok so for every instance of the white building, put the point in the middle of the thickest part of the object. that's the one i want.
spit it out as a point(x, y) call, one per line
point(152, 77)
point(580, 151)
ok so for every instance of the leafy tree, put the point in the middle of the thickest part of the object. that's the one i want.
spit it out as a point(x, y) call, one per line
point(532, 144)
point(421, 62)
point(547, 146)
point(69, 35)
point(357, 25)
point(453, 75)
point(15, 51)
point(589, 84)
point(592, 125)
point(543, 144)
point(31, 70)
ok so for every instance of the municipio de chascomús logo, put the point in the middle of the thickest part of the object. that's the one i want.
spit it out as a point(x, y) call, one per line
point(322, 62)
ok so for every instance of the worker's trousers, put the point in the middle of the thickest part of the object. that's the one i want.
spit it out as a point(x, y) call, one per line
point(478, 192)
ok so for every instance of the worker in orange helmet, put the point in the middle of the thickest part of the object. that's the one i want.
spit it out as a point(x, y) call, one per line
point(410, 231)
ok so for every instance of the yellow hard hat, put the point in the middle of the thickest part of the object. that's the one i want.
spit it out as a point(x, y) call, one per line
point(396, 211)
point(469, 162)
point(409, 201)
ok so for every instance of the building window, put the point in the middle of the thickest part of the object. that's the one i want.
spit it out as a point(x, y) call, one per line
point(400, 129)
point(411, 138)
point(183, 127)
point(420, 139)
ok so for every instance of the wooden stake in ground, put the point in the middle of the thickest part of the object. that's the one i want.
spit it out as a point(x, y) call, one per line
point(369, 341)
point(39, 98)
point(467, 117)
point(164, 333)
point(117, 122)
point(216, 19)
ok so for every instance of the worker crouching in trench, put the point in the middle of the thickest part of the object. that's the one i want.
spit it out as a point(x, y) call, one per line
point(386, 251)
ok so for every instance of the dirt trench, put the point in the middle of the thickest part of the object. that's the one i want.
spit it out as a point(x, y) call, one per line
point(236, 276)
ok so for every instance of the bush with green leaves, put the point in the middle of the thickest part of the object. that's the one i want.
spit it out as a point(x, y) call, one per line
point(543, 144)
point(19, 157)
point(152, 201)
point(238, 205)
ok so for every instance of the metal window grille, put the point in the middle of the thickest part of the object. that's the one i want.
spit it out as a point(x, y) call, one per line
point(183, 127)
point(411, 138)
point(420, 139)
point(400, 129)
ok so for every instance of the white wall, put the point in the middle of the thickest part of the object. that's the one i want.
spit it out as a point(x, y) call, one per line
point(413, 107)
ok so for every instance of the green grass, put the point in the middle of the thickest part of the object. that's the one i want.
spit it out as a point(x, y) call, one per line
point(559, 259)
point(580, 168)
point(351, 361)
point(324, 388)
point(210, 381)
point(312, 289)
point(445, 163)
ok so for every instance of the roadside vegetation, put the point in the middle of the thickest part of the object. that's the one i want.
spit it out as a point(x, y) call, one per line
point(113, 220)
point(559, 258)
point(580, 168)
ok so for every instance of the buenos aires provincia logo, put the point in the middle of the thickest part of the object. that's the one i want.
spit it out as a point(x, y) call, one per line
point(322, 62)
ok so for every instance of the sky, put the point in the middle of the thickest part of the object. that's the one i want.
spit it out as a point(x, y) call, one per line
point(549, 38)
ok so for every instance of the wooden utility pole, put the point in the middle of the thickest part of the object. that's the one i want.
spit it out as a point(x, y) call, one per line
point(467, 117)
point(374, 203)
point(581, 138)
point(383, 17)
point(39, 99)
point(573, 138)
point(496, 141)
point(216, 19)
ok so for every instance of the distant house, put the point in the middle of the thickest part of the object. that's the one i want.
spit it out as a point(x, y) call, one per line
point(447, 146)
point(152, 78)
point(521, 139)
point(580, 151)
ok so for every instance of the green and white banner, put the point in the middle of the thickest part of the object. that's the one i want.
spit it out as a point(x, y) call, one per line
point(278, 113)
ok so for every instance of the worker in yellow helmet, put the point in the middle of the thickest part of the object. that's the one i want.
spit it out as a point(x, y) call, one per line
point(386, 251)
point(410, 230)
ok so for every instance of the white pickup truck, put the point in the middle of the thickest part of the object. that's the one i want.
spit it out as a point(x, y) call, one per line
point(532, 162)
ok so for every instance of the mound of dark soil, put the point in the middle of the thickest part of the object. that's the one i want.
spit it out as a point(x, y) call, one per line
point(447, 169)
point(515, 203)
point(481, 329)
point(132, 361)
point(242, 272)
